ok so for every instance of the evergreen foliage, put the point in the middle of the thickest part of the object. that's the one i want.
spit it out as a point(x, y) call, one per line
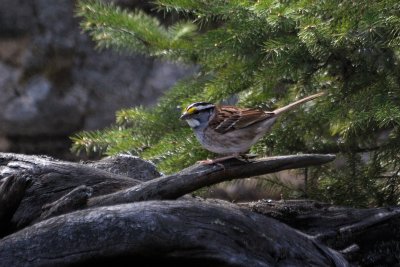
point(268, 53)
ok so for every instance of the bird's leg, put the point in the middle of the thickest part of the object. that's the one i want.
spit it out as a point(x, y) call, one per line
point(217, 160)
point(247, 157)
point(244, 157)
point(239, 156)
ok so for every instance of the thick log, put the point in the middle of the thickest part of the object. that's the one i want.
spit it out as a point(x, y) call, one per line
point(368, 237)
point(72, 201)
point(49, 180)
point(127, 165)
point(176, 232)
point(12, 190)
point(38, 188)
point(53, 180)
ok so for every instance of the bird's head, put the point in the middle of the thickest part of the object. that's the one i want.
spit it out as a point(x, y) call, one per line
point(198, 114)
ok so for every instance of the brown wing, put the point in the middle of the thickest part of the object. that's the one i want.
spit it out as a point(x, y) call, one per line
point(228, 118)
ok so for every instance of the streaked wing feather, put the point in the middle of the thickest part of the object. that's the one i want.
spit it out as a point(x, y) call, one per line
point(228, 118)
point(251, 116)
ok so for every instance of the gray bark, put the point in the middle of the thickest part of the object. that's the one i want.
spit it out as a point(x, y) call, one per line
point(367, 237)
point(210, 234)
point(12, 190)
point(62, 213)
point(53, 179)
point(199, 176)
point(50, 180)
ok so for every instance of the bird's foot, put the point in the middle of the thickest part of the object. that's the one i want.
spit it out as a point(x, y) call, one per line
point(246, 157)
point(206, 162)
point(210, 162)
point(219, 160)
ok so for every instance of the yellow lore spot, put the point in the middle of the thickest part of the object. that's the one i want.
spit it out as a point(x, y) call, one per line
point(191, 110)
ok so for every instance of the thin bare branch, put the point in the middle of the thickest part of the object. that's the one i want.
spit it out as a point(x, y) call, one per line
point(198, 176)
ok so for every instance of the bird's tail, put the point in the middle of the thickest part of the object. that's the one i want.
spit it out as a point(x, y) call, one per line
point(295, 104)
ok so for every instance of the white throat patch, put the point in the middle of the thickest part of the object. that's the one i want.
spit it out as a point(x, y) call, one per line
point(193, 123)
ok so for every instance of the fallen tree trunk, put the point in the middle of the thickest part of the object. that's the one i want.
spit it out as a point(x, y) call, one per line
point(368, 237)
point(78, 209)
point(43, 180)
point(177, 232)
point(52, 180)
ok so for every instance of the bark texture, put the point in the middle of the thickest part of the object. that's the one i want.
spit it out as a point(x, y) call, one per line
point(120, 210)
point(155, 231)
point(367, 237)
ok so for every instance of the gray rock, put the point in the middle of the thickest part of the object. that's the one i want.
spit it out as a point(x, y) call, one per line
point(54, 83)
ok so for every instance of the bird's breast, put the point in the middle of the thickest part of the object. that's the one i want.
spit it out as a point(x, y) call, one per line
point(223, 143)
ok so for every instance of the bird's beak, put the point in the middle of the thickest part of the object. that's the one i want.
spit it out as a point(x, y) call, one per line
point(184, 116)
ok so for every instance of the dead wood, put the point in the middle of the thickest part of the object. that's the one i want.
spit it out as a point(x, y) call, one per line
point(53, 180)
point(155, 232)
point(199, 176)
point(84, 202)
point(12, 190)
point(368, 237)
point(72, 201)
point(49, 180)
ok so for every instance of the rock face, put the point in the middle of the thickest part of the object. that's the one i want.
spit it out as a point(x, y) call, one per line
point(53, 82)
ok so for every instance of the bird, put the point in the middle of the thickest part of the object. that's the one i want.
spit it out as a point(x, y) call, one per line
point(232, 130)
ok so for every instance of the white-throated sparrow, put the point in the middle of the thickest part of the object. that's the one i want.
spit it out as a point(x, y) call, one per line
point(232, 130)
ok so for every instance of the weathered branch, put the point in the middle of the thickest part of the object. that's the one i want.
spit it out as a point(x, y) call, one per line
point(210, 234)
point(127, 165)
point(368, 237)
point(12, 190)
point(49, 180)
point(53, 180)
point(198, 176)
point(72, 201)
point(34, 189)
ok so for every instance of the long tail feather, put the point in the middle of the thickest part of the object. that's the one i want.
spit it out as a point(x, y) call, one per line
point(297, 103)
